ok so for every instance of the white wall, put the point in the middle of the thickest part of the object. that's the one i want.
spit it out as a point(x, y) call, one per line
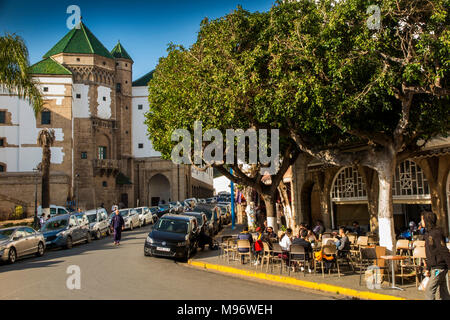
point(104, 107)
point(80, 106)
point(139, 134)
point(221, 184)
point(205, 176)
point(23, 130)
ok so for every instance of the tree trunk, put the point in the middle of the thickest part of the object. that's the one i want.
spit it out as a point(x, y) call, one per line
point(385, 169)
point(46, 177)
point(290, 221)
point(271, 212)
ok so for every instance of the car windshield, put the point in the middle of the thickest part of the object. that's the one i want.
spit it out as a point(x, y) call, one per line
point(164, 206)
point(92, 218)
point(5, 234)
point(55, 224)
point(171, 225)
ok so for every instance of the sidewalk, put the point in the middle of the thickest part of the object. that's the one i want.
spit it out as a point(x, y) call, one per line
point(347, 284)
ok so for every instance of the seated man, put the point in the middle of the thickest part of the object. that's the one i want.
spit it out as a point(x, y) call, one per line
point(343, 243)
point(245, 235)
point(357, 228)
point(302, 241)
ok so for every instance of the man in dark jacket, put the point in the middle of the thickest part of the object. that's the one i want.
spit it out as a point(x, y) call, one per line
point(245, 235)
point(301, 240)
point(437, 258)
point(117, 224)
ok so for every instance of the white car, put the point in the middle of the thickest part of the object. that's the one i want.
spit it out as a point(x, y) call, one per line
point(98, 222)
point(54, 210)
point(131, 218)
point(146, 215)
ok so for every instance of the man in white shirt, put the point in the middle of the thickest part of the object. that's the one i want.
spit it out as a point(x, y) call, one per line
point(286, 242)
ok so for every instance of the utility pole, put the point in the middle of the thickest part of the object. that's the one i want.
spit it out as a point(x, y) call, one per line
point(233, 215)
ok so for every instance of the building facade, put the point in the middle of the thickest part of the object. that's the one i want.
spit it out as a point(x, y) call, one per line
point(102, 154)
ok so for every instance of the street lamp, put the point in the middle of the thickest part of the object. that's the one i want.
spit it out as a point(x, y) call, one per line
point(78, 201)
point(36, 220)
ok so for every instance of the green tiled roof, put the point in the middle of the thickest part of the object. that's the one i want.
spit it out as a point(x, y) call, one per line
point(143, 81)
point(80, 40)
point(49, 66)
point(120, 52)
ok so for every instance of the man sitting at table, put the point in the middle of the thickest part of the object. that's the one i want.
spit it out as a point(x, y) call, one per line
point(343, 243)
point(269, 234)
point(302, 241)
point(245, 235)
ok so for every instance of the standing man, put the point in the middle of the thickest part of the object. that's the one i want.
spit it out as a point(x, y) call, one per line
point(437, 258)
point(118, 225)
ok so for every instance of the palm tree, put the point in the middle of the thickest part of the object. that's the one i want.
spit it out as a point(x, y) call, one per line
point(46, 138)
point(14, 71)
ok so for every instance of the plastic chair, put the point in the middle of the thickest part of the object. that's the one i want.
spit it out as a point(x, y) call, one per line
point(295, 251)
point(418, 243)
point(230, 249)
point(330, 250)
point(267, 256)
point(402, 246)
point(244, 244)
point(223, 245)
point(277, 255)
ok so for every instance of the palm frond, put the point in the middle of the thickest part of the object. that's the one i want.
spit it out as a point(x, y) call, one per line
point(14, 71)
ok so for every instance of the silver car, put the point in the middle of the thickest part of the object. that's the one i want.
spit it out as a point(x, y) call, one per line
point(98, 222)
point(17, 242)
point(146, 215)
point(131, 218)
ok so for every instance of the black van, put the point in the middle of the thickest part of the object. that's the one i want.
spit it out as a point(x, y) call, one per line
point(173, 236)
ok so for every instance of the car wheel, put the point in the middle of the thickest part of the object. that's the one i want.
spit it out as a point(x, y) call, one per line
point(145, 222)
point(98, 234)
point(69, 243)
point(40, 251)
point(12, 256)
point(88, 238)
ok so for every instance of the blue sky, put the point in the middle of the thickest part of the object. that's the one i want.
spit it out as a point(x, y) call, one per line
point(143, 27)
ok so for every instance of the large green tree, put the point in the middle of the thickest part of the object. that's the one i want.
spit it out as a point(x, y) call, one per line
point(337, 81)
point(216, 82)
point(14, 70)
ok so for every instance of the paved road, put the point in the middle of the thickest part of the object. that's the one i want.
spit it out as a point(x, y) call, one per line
point(108, 272)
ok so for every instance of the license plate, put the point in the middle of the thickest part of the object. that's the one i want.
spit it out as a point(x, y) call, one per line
point(163, 249)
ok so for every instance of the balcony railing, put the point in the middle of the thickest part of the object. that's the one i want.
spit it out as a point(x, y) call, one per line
point(110, 124)
point(106, 167)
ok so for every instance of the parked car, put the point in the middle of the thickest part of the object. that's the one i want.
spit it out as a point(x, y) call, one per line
point(225, 215)
point(146, 215)
point(163, 209)
point(66, 230)
point(190, 202)
point(213, 214)
point(211, 200)
point(173, 236)
point(177, 206)
point(202, 221)
point(98, 222)
point(54, 210)
point(131, 218)
point(17, 242)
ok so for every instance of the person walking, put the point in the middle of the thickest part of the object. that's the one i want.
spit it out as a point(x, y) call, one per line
point(118, 225)
point(437, 258)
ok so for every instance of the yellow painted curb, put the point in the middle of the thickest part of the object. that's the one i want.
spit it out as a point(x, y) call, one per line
point(296, 282)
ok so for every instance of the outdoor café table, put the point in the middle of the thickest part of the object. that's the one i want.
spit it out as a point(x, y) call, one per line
point(394, 258)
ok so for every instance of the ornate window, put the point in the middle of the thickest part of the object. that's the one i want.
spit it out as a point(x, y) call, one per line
point(348, 186)
point(410, 182)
